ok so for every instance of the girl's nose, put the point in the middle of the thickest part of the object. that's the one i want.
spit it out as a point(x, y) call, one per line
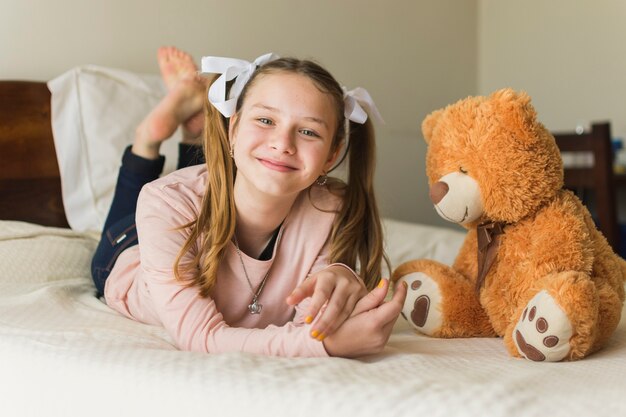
point(283, 140)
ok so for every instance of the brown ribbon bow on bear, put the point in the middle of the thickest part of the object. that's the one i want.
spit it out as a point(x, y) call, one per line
point(488, 235)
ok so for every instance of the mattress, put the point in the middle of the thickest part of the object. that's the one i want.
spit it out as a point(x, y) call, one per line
point(63, 352)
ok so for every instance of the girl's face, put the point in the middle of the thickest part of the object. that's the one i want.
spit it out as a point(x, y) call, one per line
point(282, 138)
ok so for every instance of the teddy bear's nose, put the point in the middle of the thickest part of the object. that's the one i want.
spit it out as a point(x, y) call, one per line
point(438, 191)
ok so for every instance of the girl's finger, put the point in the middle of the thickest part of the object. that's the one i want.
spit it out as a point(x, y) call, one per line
point(373, 299)
point(333, 316)
point(389, 311)
point(334, 303)
point(302, 291)
point(321, 294)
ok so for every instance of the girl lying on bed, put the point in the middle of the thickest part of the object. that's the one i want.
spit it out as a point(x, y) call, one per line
point(255, 249)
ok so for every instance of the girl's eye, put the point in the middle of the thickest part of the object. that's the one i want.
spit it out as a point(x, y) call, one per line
point(307, 132)
point(463, 170)
point(264, 121)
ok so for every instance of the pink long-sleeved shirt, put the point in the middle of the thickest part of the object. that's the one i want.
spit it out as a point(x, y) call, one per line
point(142, 285)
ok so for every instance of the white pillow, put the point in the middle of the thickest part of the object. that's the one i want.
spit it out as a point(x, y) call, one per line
point(406, 241)
point(95, 112)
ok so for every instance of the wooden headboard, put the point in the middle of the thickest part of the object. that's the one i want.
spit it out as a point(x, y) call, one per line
point(30, 184)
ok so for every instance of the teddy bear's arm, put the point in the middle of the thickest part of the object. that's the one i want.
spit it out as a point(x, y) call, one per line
point(557, 239)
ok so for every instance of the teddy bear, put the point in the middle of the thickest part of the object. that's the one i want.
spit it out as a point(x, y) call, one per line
point(533, 269)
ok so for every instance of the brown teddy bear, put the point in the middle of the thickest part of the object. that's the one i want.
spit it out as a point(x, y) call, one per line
point(533, 268)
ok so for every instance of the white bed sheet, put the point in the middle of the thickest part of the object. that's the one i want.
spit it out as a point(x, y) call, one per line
point(65, 353)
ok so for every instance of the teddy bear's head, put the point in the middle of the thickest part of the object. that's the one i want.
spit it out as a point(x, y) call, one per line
point(489, 159)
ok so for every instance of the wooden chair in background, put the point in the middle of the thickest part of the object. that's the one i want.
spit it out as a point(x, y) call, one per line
point(598, 177)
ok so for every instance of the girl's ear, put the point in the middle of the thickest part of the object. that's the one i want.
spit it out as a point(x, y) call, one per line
point(232, 129)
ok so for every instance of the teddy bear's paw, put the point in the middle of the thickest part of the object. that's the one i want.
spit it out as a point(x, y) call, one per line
point(543, 332)
point(421, 307)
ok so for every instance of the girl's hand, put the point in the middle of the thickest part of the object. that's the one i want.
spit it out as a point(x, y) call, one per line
point(334, 293)
point(367, 331)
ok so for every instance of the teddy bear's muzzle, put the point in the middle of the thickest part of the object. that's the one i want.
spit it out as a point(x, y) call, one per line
point(438, 191)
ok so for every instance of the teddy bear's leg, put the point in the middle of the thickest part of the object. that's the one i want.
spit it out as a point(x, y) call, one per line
point(543, 332)
point(559, 321)
point(609, 314)
point(441, 302)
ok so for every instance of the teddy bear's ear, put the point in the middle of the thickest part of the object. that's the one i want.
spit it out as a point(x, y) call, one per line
point(508, 95)
point(515, 109)
point(429, 123)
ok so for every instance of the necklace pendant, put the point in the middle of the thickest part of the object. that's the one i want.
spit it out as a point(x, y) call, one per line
point(255, 307)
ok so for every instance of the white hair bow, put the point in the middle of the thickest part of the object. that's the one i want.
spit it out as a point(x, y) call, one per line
point(241, 70)
point(230, 68)
point(355, 101)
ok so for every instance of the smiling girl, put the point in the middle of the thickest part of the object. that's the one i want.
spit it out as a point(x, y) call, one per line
point(254, 249)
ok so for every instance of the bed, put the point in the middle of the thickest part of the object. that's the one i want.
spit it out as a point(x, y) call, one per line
point(63, 352)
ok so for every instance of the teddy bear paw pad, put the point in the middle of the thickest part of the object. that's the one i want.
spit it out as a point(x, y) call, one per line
point(543, 331)
point(421, 308)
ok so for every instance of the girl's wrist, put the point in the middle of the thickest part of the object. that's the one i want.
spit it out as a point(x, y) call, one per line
point(346, 268)
point(145, 150)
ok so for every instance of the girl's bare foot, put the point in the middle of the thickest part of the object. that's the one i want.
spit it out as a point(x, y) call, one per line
point(181, 106)
point(176, 66)
point(182, 102)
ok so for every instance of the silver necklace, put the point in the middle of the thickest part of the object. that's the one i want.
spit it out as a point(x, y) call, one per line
point(254, 307)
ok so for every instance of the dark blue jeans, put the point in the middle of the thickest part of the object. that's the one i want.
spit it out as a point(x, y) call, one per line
point(119, 232)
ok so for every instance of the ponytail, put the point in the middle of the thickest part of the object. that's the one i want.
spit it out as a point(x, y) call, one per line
point(215, 224)
point(357, 235)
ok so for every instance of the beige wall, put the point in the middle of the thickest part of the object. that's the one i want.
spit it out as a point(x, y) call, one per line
point(570, 56)
point(413, 56)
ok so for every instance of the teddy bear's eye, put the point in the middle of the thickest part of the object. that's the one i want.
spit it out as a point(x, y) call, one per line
point(463, 170)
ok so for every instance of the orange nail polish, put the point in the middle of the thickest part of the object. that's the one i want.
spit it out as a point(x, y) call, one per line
point(315, 333)
point(321, 337)
point(308, 319)
point(381, 283)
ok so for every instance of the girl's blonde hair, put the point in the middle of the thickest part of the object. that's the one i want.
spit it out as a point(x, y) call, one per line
point(356, 236)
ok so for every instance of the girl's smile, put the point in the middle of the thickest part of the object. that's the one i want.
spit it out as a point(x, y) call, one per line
point(277, 165)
